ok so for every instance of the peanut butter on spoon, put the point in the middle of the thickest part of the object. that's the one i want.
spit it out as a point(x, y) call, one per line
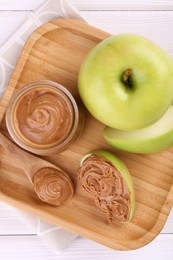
point(51, 184)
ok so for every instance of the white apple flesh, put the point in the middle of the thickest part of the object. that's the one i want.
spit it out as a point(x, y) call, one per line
point(126, 82)
point(151, 139)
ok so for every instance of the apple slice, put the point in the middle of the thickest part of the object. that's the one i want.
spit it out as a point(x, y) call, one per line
point(108, 180)
point(151, 139)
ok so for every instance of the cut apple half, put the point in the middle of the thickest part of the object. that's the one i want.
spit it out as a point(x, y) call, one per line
point(151, 139)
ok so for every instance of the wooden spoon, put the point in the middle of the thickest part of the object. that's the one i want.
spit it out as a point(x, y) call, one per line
point(51, 184)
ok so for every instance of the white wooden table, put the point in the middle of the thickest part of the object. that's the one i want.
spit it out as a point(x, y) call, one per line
point(151, 18)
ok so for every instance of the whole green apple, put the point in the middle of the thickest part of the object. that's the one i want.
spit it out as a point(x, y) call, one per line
point(151, 139)
point(126, 82)
point(97, 177)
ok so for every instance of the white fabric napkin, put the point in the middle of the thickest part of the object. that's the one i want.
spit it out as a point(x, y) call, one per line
point(56, 237)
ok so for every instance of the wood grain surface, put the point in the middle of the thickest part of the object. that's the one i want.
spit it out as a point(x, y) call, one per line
point(55, 52)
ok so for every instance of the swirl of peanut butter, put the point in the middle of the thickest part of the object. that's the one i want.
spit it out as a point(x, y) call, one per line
point(43, 116)
point(114, 207)
point(103, 181)
point(53, 186)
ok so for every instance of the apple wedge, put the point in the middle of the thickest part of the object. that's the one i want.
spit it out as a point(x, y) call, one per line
point(107, 179)
point(151, 139)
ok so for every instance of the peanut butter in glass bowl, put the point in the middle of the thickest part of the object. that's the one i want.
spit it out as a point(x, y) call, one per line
point(43, 118)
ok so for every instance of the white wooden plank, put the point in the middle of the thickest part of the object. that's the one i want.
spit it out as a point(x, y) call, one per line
point(123, 5)
point(20, 4)
point(93, 5)
point(11, 223)
point(168, 228)
point(157, 26)
point(9, 22)
point(154, 25)
point(31, 247)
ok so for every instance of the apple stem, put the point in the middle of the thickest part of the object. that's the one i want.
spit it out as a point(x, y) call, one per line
point(127, 77)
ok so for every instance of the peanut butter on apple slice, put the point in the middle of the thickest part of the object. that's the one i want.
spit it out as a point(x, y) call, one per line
point(112, 194)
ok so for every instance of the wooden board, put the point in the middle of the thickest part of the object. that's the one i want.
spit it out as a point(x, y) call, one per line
point(55, 51)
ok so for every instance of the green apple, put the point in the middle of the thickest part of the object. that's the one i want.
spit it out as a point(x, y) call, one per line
point(126, 82)
point(151, 139)
point(122, 169)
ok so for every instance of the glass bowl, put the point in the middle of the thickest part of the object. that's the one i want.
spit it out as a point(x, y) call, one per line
point(43, 118)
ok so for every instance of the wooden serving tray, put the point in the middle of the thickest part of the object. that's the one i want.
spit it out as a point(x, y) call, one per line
point(55, 51)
